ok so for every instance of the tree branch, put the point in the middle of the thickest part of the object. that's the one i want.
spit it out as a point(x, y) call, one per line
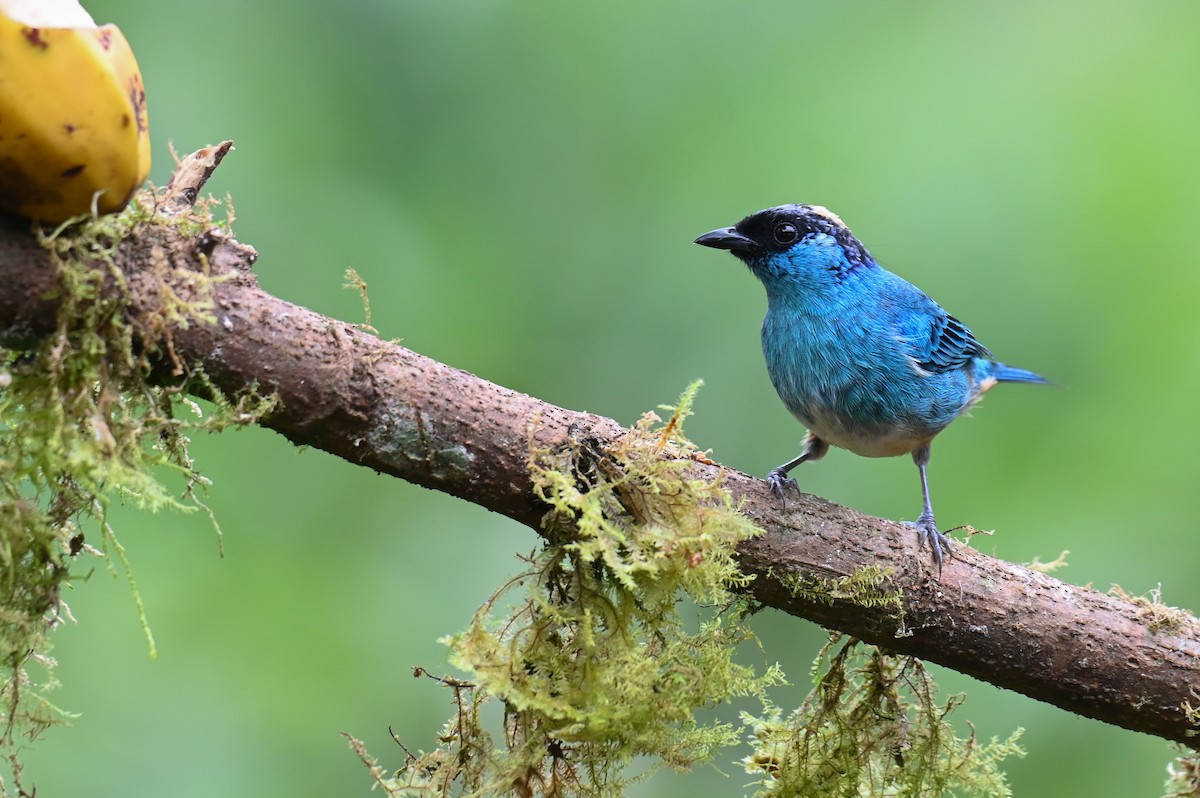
point(380, 405)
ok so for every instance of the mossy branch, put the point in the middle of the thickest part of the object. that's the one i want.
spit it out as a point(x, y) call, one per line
point(385, 407)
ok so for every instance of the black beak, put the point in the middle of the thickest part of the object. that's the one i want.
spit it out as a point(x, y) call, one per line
point(729, 238)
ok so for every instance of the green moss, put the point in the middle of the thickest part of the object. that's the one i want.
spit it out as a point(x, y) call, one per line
point(81, 425)
point(1183, 773)
point(1183, 777)
point(1158, 617)
point(872, 726)
point(357, 283)
point(1048, 567)
point(869, 586)
point(593, 663)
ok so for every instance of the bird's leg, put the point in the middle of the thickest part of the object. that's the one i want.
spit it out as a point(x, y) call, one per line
point(927, 530)
point(814, 449)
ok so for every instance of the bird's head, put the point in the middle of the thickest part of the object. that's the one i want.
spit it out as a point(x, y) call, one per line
point(802, 246)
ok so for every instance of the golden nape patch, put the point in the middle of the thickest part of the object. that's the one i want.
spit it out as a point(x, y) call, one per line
point(821, 210)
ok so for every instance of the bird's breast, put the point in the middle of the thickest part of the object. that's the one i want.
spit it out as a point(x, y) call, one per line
point(853, 385)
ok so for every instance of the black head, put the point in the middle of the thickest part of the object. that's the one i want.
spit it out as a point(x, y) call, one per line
point(778, 230)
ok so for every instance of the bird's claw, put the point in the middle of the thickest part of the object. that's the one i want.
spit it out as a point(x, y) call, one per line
point(780, 482)
point(929, 535)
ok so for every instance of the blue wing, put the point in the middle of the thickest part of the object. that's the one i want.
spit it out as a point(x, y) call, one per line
point(950, 345)
point(937, 342)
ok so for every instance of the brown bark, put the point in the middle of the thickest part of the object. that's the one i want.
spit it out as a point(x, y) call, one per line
point(385, 407)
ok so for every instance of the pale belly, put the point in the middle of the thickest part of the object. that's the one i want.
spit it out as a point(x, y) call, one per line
point(866, 441)
point(883, 439)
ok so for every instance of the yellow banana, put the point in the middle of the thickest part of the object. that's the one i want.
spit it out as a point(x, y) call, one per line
point(74, 134)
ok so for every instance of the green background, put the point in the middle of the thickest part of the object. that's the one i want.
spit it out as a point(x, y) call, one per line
point(520, 183)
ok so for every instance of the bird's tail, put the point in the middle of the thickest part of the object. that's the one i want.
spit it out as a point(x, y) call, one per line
point(1003, 373)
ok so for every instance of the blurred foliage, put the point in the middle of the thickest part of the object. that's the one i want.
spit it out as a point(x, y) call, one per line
point(519, 183)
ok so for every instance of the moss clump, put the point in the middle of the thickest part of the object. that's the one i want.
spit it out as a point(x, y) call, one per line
point(82, 425)
point(1183, 773)
point(1160, 618)
point(1183, 777)
point(594, 663)
point(870, 586)
point(872, 726)
point(1050, 567)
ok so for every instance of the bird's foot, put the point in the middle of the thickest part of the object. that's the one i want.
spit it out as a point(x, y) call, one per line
point(780, 482)
point(929, 535)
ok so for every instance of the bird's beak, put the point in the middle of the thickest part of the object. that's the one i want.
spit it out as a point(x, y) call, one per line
point(730, 239)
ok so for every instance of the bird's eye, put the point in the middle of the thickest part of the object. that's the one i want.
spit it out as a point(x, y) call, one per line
point(786, 233)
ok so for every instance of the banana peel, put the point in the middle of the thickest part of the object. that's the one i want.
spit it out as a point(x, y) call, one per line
point(74, 133)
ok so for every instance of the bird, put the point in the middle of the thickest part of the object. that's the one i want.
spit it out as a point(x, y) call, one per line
point(864, 359)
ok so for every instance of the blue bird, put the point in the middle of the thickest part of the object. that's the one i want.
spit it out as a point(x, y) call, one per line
point(861, 357)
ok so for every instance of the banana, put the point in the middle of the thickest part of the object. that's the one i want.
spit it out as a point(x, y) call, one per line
point(74, 134)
